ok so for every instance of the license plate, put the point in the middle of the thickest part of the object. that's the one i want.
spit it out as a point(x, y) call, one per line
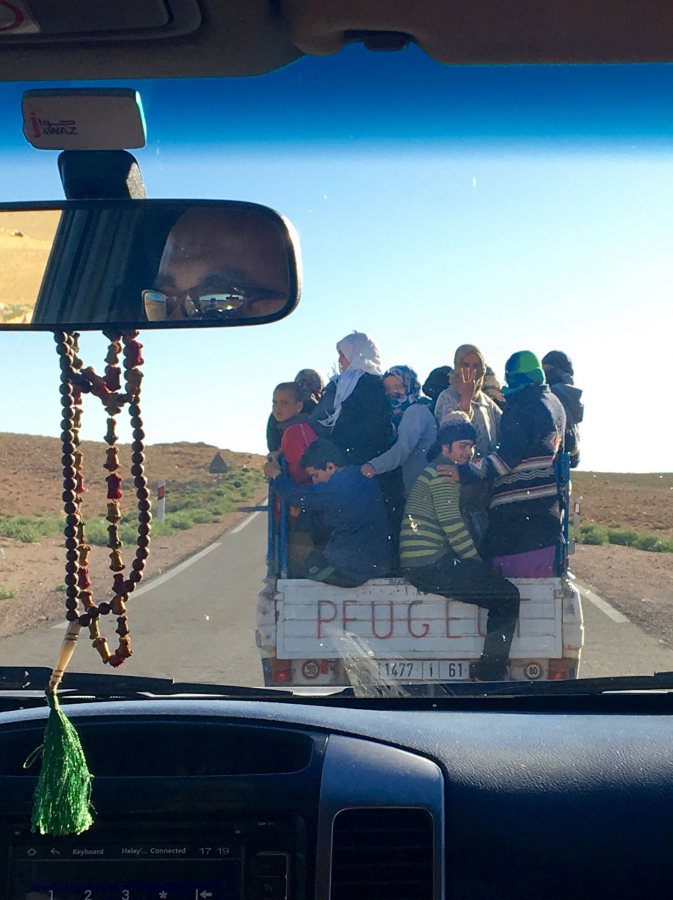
point(424, 670)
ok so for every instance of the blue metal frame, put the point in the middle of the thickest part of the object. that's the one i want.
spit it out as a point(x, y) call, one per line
point(278, 532)
point(563, 483)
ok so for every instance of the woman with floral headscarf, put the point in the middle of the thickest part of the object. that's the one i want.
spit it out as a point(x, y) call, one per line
point(465, 392)
point(413, 423)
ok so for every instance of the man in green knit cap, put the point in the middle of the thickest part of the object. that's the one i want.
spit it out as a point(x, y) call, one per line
point(524, 515)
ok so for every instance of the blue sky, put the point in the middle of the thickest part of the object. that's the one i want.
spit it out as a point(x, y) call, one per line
point(512, 208)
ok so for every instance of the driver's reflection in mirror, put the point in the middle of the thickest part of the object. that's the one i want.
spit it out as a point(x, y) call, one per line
point(220, 264)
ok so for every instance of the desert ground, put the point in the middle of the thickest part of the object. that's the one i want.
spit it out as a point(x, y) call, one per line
point(30, 479)
point(638, 582)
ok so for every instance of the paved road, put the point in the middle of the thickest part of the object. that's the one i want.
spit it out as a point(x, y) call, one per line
point(194, 623)
point(615, 646)
point(197, 622)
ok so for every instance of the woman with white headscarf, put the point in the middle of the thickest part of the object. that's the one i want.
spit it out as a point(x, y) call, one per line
point(359, 422)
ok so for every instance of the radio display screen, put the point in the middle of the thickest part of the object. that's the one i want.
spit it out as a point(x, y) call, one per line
point(134, 871)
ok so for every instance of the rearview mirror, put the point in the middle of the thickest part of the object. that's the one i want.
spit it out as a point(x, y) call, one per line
point(101, 264)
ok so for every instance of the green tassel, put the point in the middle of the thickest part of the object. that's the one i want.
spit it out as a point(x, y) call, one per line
point(62, 802)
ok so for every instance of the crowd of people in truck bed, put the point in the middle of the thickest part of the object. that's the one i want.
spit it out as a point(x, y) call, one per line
point(452, 485)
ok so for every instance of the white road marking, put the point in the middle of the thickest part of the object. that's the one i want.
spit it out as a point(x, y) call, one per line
point(245, 522)
point(162, 579)
point(605, 607)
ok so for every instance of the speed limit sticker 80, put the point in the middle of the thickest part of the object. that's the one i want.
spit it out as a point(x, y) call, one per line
point(533, 671)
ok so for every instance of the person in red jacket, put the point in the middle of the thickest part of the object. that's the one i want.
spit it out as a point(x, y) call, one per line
point(294, 426)
point(296, 435)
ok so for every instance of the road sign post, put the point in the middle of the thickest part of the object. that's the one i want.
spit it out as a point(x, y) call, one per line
point(161, 504)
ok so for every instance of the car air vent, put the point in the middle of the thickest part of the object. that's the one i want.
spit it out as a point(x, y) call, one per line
point(382, 854)
point(169, 748)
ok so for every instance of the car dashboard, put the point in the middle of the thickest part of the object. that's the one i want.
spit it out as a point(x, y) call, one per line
point(220, 799)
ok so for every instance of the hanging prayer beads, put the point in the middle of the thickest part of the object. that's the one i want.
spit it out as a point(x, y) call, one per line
point(81, 607)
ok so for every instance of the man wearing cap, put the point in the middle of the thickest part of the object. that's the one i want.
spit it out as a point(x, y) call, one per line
point(438, 555)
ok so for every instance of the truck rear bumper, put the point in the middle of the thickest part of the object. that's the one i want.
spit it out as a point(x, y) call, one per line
point(314, 634)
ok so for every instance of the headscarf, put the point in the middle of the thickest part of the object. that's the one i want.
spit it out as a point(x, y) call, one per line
point(522, 370)
point(361, 352)
point(311, 383)
point(436, 382)
point(491, 387)
point(412, 389)
point(363, 356)
point(560, 367)
point(455, 376)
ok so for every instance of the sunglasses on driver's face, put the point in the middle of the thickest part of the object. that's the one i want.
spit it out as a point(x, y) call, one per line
point(199, 303)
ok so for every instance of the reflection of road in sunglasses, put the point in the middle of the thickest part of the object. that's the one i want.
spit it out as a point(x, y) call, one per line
point(233, 303)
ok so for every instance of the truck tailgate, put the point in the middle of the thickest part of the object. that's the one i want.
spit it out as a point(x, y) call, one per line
point(394, 621)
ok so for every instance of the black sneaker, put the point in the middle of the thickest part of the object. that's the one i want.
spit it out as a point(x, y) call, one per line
point(489, 668)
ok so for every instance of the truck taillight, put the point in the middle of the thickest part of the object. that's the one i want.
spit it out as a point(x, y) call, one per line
point(281, 671)
point(561, 669)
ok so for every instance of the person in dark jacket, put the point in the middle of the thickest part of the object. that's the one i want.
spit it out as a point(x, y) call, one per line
point(358, 547)
point(524, 515)
point(359, 422)
point(559, 373)
point(312, 386)
point(436, 382)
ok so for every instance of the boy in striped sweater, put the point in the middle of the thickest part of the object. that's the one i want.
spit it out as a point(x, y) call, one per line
point(438, 555)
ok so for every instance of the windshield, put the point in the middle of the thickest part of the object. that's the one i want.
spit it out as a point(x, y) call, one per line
point(510, 224)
